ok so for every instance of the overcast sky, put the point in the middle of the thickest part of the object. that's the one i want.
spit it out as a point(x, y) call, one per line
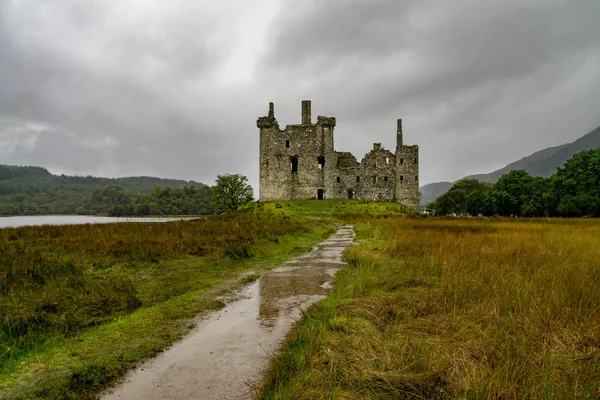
point(173, 88)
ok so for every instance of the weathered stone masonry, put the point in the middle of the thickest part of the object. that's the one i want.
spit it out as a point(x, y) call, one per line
point(300, 162)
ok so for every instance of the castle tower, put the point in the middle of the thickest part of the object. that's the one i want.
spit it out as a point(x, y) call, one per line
point(407, 171)
point(269, 129)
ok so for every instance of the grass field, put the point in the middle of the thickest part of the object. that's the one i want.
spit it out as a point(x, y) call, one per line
point(450, 308)
point(81, 304)
point(427, 308)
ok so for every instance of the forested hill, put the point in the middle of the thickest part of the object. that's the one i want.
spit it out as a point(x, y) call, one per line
point(34, 190)
point(542, 163)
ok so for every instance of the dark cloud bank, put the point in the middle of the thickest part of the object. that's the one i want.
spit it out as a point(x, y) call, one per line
point(173, 89)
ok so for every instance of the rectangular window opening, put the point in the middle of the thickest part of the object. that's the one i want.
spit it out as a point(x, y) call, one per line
point(287, 144)
point(401, 178)
point(294, 164)
point(337, 179)
point(402, 161)
point(416, 178)
point(358, 179)
point(387, 160)
point(321, 162)
point(385, 179)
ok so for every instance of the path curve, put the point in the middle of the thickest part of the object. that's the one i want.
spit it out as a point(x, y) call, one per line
point(224, 356)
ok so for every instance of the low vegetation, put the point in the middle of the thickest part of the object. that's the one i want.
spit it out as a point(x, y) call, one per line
point(451, 308)
point(426, 308)
point(80, 304)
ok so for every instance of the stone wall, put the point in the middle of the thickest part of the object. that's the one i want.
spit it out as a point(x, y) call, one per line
point(299, 162)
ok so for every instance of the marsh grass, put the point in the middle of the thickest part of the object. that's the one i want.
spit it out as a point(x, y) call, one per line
point(80, 304)
point(453, 309)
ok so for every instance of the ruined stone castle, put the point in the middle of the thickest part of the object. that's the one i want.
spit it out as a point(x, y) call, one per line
point(300, 162)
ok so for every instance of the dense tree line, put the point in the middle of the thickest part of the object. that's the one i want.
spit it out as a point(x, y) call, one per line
point(35, 191)
point(114, 201)
point(573, 191)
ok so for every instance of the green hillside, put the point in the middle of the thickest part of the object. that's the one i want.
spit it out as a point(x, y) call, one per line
point(541, 163)
point(34, 190)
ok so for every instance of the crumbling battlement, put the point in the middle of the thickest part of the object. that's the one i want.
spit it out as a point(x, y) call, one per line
point(300, 162)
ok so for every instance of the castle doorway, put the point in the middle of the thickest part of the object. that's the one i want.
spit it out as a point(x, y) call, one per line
point(320, 194)
point(350, 194)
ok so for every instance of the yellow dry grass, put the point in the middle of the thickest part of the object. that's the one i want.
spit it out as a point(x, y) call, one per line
point(454, 309)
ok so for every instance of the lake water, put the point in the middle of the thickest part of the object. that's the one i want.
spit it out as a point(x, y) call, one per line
point(33, 220)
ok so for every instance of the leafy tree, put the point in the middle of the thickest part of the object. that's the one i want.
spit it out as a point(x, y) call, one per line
point(537, 201)
point(467, 196)
point(576, 189)
point(510, 192)
point(230, 192)
point(503, 203)
point(478, 202)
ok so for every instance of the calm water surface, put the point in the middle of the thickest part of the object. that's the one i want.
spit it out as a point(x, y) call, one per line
point(33, 220)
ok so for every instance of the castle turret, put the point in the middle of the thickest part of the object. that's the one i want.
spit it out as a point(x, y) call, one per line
point(269, 121)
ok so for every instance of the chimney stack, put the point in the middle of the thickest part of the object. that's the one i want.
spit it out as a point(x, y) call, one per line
point(306, 117)
point(399, 134)
point(271, 110)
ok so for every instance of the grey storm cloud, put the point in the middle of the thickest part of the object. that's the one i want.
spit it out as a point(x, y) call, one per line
point(173, 88)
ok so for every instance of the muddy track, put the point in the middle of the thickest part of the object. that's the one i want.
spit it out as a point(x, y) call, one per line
point(225, 355)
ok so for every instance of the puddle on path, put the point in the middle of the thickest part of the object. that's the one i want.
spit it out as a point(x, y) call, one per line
point(224, 356)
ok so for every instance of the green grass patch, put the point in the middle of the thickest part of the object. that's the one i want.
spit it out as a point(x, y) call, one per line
point(342, 210)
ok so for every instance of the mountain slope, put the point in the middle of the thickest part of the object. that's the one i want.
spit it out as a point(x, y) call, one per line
point(541, 163)
point(434, 190)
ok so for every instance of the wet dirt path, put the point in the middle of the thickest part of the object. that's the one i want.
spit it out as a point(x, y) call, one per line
point(225, 355)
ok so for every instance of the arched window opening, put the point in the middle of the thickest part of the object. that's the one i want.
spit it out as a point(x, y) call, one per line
point(387, 160)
